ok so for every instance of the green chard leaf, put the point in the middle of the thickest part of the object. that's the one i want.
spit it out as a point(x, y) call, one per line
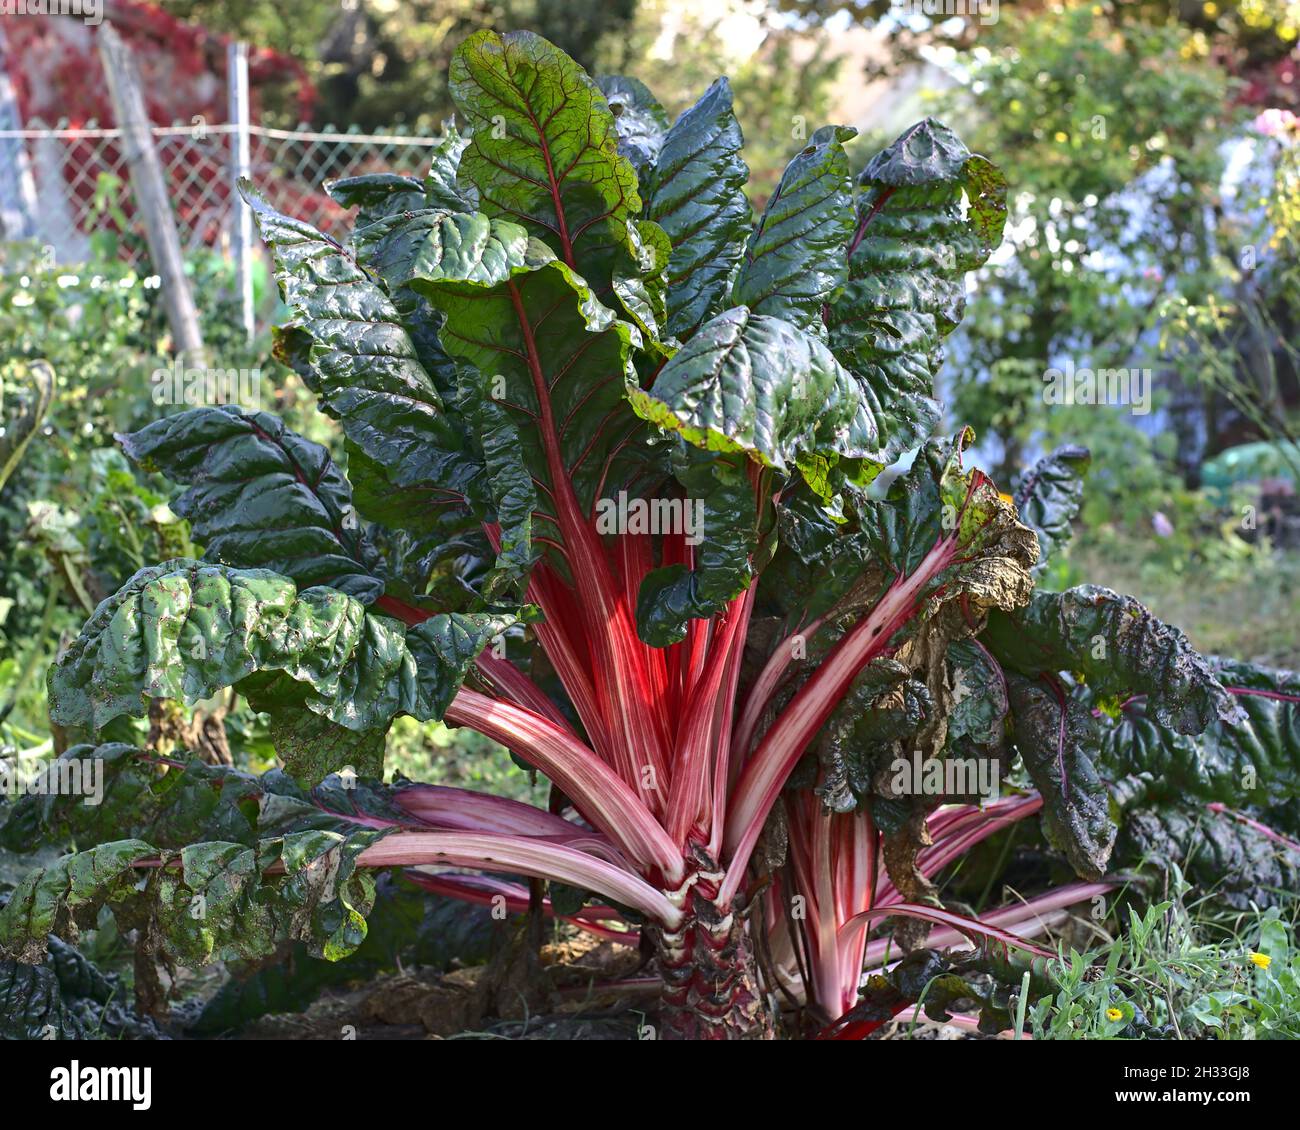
point(67, 997)
point(139, 799)
point(436, 244)
point(907, 262)
point(796, 260)
point(349, 344)
point(979, 695)
point(184, 630)
point(205, 902)
point(1241, 864)
point(377, 195)
point(442, 188)
point(1119, 649)
point(640, 120)
point(697, 196)
point(549, 359)
point(544, 150)
point(1255, 761)
point(756, 384)
point(672, 595)
point(261, 497)
point(1056, 737)
point(1050, 495)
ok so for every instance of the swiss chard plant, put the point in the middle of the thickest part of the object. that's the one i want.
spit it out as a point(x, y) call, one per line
point(613, 497)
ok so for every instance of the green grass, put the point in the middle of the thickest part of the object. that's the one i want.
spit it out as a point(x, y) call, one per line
point(1181, 971)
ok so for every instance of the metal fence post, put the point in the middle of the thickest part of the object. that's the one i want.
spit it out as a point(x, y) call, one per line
point(153, 204)
point(240, 162)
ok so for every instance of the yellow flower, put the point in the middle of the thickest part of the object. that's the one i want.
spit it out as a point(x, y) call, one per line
point(1210, 9)
point(1261, 959)
point(1114, 1014)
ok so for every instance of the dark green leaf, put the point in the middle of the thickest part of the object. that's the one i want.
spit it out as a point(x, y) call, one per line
point(184, 630)
point(797, 260)
point(261, 497)
point(1057, 740)
point(1118, 647)
point(697, 196)
point(1050, 495)
point(639, 119)
point(908, 259)
point(756, 384)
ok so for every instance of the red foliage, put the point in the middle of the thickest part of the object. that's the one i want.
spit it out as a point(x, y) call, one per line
point(54, 64)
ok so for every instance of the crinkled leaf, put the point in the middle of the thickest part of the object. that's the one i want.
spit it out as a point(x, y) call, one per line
point(261, 497)
point(435, 244)
point(639, 119)
point(908, 257)
point(442, 188)
point(67, 997)
point(884, 705)
point(697, 196)
point(796, 259)
point(1049, 497)
point(753, 383)
point(184, 630)
point(1056, 737)
point(672, 595)
point(1118, 647)
point(544, 149)
point(979, 695)
point(377, 195)
point(1255, 761)
point(1239, 864)
point(208, 901)
point(555, 361)
point(70, 891)
point(313, 747)
point(348, 342)
point(139, 800)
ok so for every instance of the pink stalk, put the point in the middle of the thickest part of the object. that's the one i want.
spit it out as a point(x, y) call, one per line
point(962, 836)
point(621, 681)
point(599, 794)
point(446, 809)
point(783, 744)
point(960, 923)
point(524, 856)
point(764, 687)
point(1022, 919)
point(484, 890)
point(688, 797)
point(514, 685)
point(723, 712)
point(564, 656)
point(1262, 829)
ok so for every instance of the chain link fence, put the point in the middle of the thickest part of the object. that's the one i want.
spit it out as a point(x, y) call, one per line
point(74, 183)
